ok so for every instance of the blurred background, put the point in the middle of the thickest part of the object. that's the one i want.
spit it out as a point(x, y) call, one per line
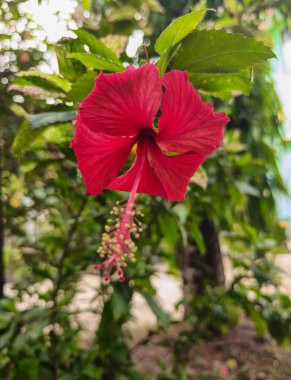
point(209, 295)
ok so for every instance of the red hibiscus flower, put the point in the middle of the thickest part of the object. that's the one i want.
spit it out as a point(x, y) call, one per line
point(121, 111)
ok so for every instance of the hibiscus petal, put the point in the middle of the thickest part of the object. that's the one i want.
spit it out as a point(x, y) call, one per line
point(123, 103)
point(149, 182)
point(187, 123)
point(174, 172)
point(162, 175)
point(100, 157)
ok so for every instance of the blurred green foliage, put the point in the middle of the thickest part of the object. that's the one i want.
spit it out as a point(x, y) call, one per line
point(52, 228)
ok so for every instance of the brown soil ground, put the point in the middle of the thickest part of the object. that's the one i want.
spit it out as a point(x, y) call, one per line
point(238, 355)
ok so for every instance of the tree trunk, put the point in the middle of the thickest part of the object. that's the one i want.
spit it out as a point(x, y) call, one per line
point(200, 270)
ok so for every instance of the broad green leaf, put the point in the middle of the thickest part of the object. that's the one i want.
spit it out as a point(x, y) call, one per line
point(216, 51)
point(50, 118)
point(24, 139)
point(219, 84)
point(35, 125)
point(178, 30)
point(162, 317)
point(44, 80)
point(95, 62)
point(164, 59)
point(28, 369)
point(96, 46)
point(66, 67)
point(36, 88)
point(81, 88)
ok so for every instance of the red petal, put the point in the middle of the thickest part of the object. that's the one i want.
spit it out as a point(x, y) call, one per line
point(123, 103)
point(100, 157)
point(148, 184)
point(187, 124)
point(162, 175)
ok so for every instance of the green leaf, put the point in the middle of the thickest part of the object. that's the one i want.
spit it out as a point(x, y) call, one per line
point(162, 317)
point(35, 88)
point(35, 125)
point(96, 46)
point(216, 51)
point(119, 306)
point(7, 304)
point(66, 67)
point(82, 87)
point(7, 336)
point(43, 80)
point(28, 369)
point(4, 36)
point(95, 62)
point(24, 139)
point(260, 323)
point(197, 236)
point(50, 118)
point(219, 84)
point(169, 226)
point(178, 30)
point(164, 59)
point(5, 319)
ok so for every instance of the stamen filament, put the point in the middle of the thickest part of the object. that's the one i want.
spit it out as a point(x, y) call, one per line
point(117, 240)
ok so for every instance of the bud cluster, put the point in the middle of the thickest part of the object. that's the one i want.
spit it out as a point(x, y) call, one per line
point(116, 243)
